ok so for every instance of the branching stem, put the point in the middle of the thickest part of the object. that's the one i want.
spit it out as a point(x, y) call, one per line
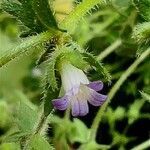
point(109, 49)
point(142, 146)
point(114, 89)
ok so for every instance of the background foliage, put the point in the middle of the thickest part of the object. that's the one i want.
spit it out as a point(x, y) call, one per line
point(117, 32)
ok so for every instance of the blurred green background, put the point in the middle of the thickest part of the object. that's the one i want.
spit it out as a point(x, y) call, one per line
point(126, 122)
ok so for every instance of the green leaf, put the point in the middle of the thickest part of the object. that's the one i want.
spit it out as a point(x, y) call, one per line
point(119, 113)
point(4, 114)
point(11, 7)
point(134, 110)
point(26, 118)
point(71, 54)
point(92, 145)
point(14, 135)
point(145, 96)
point(10, 146)
point(27, 15)
point(51, 73)
point(78, 132)
point(141, 32)
point(37, 142)
point(71, 21)
point(75, 58)
point(51, 70)
point(97, 65)
point(25, 47)
point(48, 95)
point(44, 13)
point(23, 11)
point(144, 8)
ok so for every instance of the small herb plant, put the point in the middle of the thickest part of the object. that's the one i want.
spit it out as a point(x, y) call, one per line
point(56, 36)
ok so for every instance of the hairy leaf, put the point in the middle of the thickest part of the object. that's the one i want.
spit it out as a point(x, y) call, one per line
point(97, 65)
point(37, 142)
point(44, 13)
point(26, 117)
point(79, 132)
point(144, 8)
point(70, 22)
point(10, 146)
point(49, 94)
point(25, 47)
point(23, 11)
point(141, 32)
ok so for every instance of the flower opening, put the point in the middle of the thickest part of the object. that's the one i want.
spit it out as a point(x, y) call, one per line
point(78, 91)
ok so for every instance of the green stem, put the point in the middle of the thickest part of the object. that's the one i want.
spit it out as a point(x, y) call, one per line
point(41, 124)
point(142, 146)
point(114, 89)
point(109, 49)
point(77, 14)
point(40, 129)
point(67, 114)
point(25, 47)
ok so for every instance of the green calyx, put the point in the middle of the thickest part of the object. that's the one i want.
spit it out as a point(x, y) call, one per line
point(61, 55)
point(71, 56)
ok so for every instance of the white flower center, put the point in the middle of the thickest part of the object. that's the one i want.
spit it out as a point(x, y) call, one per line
point(72, 77)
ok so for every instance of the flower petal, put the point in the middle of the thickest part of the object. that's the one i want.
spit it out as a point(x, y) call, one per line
point(73, 91)
point(96, 85)
point(61, 103)
point(96, 99)
point(83, 107)
point(75, 107)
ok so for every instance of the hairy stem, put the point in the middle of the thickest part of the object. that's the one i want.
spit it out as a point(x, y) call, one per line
point(39, 129)
point(114, 89)
point(77, 14)
point(25, 47)
point(109, 49)
point(142, 146)
point(40, 125)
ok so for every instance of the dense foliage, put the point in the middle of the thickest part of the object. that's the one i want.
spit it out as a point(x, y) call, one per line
point(107, 39)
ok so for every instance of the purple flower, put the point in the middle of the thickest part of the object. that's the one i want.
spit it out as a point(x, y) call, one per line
point(78, 91)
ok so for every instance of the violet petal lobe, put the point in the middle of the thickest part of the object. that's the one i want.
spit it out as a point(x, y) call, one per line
point(97, 99)
point(96, 85)
point(61, 103)
point(83, 107)
point(75, 107)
